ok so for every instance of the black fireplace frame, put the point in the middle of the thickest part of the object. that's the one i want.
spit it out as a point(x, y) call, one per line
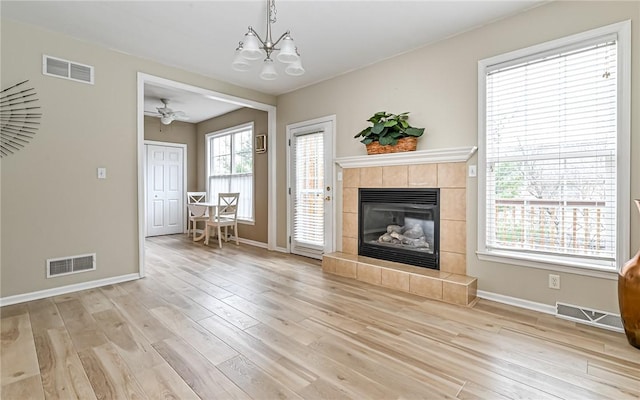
point(417, 196)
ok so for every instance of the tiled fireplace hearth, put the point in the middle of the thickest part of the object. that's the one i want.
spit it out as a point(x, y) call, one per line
point(443, 169)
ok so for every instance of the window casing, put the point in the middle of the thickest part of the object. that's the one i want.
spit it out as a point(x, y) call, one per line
point(554, 127)
point(230, 167)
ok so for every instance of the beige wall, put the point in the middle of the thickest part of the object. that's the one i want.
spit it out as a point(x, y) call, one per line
point(438, 85)
point(176, 132)
point(52, 203)
point(258, 231)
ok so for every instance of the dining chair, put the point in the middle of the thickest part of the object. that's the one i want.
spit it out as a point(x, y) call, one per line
point(196, 214)
point(226, 216)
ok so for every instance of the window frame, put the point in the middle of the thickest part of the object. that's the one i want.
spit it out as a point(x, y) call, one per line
point(230, 132)
point(623, 168)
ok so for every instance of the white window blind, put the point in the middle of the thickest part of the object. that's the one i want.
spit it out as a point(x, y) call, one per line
point(230, 167)
point(551, 153)
point(308, 199)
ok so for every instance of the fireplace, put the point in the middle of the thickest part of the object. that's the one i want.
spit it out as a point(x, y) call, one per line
point(400, 225)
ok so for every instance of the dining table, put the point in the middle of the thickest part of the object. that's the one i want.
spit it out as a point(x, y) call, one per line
point(201, 208)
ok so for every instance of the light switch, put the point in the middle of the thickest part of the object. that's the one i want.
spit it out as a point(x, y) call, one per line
point(473, 171)
point(340, 176)
point(102, 173)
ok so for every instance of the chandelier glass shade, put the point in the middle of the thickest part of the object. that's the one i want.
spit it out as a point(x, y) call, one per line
point(268, 70)
point(252, 48)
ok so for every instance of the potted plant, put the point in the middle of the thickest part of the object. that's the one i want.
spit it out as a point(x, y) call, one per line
point(389, 133)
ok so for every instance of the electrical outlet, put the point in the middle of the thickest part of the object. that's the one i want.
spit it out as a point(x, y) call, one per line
point(554, 281)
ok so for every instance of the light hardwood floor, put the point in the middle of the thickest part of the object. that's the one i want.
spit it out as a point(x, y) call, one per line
point(243, 323)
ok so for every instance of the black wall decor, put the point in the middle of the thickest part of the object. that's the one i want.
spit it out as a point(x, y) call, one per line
point(19, 119)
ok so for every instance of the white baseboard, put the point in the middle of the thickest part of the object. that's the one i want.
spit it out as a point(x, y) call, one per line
point(250, 242)
point(262, 245)
point(255, 243)
point(514, 301)
point(41, 294)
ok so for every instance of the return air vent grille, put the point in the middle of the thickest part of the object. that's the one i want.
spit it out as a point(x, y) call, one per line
point(70, 265)
point(67, 69)
point(587, 316)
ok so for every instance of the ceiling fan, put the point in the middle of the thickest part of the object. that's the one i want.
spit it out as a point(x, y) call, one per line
point(167, 115)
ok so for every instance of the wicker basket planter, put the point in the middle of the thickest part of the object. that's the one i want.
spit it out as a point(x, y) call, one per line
point(404, 144)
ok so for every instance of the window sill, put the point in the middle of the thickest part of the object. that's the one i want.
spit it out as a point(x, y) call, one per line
point(246, 222)
point(578, 267)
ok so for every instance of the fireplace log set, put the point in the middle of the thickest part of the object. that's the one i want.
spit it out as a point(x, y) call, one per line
point(408, 235)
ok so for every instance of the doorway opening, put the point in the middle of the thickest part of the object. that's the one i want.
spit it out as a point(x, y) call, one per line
point(271, 140)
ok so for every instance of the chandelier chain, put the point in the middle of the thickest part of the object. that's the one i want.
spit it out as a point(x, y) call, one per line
point(272, 11)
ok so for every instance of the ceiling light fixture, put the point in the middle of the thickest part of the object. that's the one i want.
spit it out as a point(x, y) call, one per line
point(253, 48)
point(167, 119)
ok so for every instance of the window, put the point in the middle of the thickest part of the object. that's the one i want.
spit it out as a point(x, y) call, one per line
point(230, 166)
point(554, 152)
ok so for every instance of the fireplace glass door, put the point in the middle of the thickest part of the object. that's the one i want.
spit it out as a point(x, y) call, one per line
point(400, 225)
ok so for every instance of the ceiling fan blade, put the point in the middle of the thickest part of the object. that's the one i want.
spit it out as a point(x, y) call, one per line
point(164, 110)
point(168, 115)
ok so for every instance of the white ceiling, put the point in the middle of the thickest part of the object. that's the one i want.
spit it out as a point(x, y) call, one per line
point(333, 37)
point(196, 106)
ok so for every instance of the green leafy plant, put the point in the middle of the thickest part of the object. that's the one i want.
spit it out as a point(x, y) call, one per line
point(388, 128)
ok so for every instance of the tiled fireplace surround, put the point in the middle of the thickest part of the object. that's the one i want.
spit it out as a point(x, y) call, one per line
point(445, 169)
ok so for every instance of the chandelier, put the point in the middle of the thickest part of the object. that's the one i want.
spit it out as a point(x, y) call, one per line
point(253, 48)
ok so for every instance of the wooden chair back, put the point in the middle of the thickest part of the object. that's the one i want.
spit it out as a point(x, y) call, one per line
point(228, 205)
point(196, 197)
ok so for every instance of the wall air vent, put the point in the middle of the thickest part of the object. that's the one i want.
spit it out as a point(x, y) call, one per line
point(601, 319)
point(67, 69)
point(70, 265)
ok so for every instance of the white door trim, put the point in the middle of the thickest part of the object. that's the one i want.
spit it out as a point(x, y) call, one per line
point(331, 119)
point(184, 177)
point(271, 140)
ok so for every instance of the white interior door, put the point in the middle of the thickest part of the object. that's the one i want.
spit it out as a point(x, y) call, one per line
point(311, 188)
point(165, 190)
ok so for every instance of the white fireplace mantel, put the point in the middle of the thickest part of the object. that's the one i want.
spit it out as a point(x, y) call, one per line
point(450, 155)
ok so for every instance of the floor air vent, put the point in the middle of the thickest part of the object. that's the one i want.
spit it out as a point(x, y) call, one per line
point(70, 265)
point(67, 69)
point(587, 316)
